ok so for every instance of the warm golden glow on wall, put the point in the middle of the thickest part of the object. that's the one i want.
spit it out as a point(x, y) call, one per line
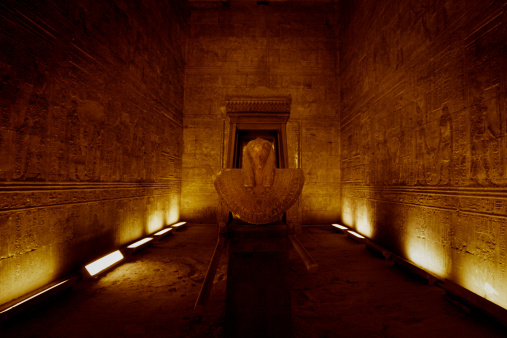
point(362, 220)
point(358, 215)
point(425, 236)
point(172, 214)
point(490, 290)
point(155, 222)
point(421, 249)
point(347, 212)
point(479, 277)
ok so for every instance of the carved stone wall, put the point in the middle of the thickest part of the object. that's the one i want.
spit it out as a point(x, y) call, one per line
point(276, 49)
point(423, 130)
point(91, 101)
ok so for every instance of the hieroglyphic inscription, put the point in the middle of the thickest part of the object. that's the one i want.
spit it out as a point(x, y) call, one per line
point(503, 250)
point(431, 111)
point(39, 195)
point(90, 133)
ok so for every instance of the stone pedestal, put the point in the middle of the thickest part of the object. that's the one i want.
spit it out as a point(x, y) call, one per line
point(258, 285)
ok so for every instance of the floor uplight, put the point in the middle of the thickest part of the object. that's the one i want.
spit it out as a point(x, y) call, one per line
point(32, 297)
point(339, 226)
point(103, 263)
point(162, 233)
point(18, 306)
point(355, 236)
point(140, 243)
point(178, 225)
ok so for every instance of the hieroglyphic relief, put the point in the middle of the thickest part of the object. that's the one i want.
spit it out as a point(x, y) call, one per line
point(483, 79)
point(484, 238)
point(87, 126)
point(460, 149)
point(25, 196)
point(69, 144)
point(486, 167)
point(433, 138)
point(449, 142)
point(502, 239)
point(397, 156)
point(444, 149)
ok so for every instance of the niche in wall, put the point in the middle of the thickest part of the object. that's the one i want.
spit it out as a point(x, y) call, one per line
point(252, 117)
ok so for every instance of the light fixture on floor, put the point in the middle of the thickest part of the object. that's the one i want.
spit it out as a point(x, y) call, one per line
point(139, 245)
point(24, 303)
point(102, 264)
point(340, 228)
point(178, 225)
point(162, 233)
point(355, 236)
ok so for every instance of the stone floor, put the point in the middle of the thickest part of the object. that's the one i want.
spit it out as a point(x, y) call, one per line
point(354, 294)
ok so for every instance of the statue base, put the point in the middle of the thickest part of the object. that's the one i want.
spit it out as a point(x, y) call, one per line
point(259, 204)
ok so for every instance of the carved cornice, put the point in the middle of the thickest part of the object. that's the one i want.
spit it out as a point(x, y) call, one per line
point(18, 196)
point(491, 202)
point(268, 104)
point(498, 192)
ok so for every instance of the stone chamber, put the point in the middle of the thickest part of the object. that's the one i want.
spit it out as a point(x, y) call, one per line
point(115, 115)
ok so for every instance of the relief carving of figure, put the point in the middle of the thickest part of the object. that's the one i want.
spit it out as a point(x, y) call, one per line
point(484, 144)
point(445, 146)
point(421, 153)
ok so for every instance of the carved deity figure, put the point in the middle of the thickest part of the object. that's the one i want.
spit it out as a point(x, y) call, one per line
point(259, 162)
point(485, 145)
point(259, 193)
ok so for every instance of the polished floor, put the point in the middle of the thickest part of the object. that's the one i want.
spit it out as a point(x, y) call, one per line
point(354, 294)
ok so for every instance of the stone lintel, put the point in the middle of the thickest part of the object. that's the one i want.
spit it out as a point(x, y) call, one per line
point(258, 104)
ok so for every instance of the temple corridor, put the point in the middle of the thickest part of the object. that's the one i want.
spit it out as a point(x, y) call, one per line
point(268, 120)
